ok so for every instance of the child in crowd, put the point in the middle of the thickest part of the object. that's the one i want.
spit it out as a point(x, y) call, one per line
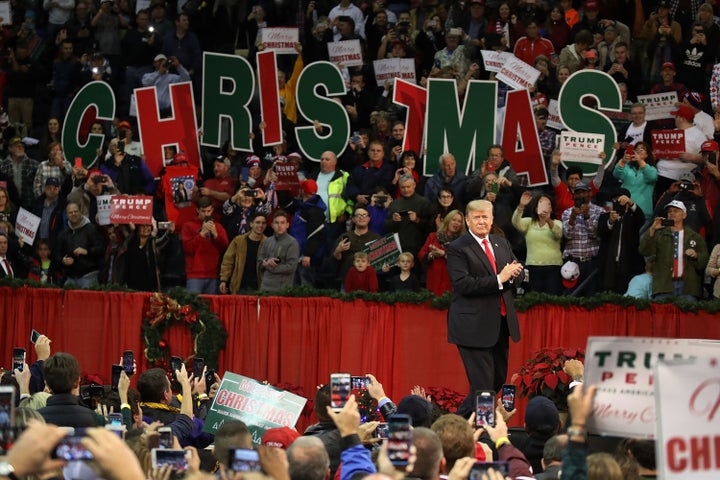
point(361, 275)
point(406, 279)
point(641, 285)
point(41, 267)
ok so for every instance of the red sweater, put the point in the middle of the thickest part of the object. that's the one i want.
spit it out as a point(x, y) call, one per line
point(366, 281)
point(202, 254)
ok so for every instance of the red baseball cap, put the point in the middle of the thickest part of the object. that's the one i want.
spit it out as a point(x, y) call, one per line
point(281, 437)
point(685, 112)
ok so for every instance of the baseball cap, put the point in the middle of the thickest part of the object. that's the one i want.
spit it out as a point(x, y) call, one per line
point(669, 65)
point(223, 159)
point(124, 124)
point(280, 437)
point(695, 99)
point(676, 204)
point(685, 112)
point(541, 415)
point(159, 57)
point(15, 140)
point(687, 177)
point(709, 146)
point(589, 54)
point(309, 187)
point(591, 5)
point(179, 158)
point(54, 181)
point(582, 186)
point(570, 272)
point(663, 4)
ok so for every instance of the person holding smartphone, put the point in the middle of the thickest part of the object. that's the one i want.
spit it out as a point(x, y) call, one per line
point(681, 255)
point(204, 242)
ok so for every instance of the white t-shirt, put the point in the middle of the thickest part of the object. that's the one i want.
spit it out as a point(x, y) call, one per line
point(705, 123)
point(636, 133)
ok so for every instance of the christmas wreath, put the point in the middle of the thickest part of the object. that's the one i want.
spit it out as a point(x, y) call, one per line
point(176, 308)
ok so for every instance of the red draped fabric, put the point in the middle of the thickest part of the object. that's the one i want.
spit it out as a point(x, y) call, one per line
point(300, 341)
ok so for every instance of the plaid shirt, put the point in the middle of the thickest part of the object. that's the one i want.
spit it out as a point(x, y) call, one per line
point(28, 168)
point(47, 170)
point(581, 239)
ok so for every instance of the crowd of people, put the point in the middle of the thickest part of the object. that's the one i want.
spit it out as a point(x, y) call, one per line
point(578, 237)
point(59, 428)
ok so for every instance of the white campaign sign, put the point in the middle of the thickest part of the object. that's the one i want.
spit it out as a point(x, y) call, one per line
point(687, 398)
point(494, 60)
point(581, 147)
point(103, 209)
point(347, 53)
point(517, 73)
point(26, 225)
point(282, 40)
point(622, 369)
point(388, 69)
point(554, 116)
point(658, 105)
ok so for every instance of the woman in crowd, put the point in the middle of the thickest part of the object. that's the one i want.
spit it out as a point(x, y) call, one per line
point(432, 254)
point(444, 204)
point(50, 136)
point(636, 170)
point(542, 237)
point(8, 212)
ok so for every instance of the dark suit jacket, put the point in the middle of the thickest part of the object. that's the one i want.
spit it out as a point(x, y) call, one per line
point(474, 314)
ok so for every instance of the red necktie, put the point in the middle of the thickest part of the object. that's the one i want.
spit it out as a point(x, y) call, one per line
point(8, 269)
point(491, 257)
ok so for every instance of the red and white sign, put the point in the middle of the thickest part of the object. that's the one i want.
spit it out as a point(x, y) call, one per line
point(581, 147)
point(26, 226)
point(287, 177)
point(668, 143)
point(346, 53)
point(517, 74)
point(687, 399)
point(136, 209)
point(554, 120)
point(281, 40)
point(658, 105)
point(494, 60)
point(623, 370)
point(388, 69)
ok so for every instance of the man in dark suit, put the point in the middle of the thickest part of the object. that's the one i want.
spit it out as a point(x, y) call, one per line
point(7, 267)
point(482, 316)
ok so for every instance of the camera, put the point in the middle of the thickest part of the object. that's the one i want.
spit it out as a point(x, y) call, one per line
point(685, 186)
point(617, 208)
point(99, 179)
point(668, 222)
point(164, 225)
point(250, 193)
point(381, 198)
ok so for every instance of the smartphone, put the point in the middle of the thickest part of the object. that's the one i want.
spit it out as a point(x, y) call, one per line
point(177, 459)
point(116, 371)
point(495, 187)
point(96, 390)
point(630, 150)
point(116, 419)
point(485, 408)
point(250, 193)
point(359, 383)
point(164, 225)
point(339, 390)
point(34, 335)
point(166, 437)
point(667, 222)
point(7, 406)
point(71, 448)
point(481, 468)
point(508, 397)
point(18, 359)
point(399, 439)
point(382, 431)
point(209, 379)
point(128, 361)
point(175, 364)
point(78, 162)
point(121, 146)
point(198, 367)
point(244, 460)
point(356, 137)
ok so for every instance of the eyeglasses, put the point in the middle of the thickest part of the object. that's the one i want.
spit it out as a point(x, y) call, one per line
point(361, 215)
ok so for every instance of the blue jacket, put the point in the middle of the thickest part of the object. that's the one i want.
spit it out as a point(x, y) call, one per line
point(308, 227)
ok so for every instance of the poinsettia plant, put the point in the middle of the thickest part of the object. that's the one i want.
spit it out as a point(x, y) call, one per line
point(447, 400)
point(542, 374)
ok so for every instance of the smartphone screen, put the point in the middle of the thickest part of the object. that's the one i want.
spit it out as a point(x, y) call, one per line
point(166, 438)
point(128, 361)
point(485, 409)
point(360, 383)
point(18, 358)
point(175, 364)
point(339, 390)
point(71, 448)
point(481, 468)
point(508, 397)
point(115, 419)
point(34, 335)
point(399, 439)
point(209, 379)
point(116, 371)
point(198, 367)
point(78, 162)
point(177, 459)
point(7, 406)
point(382, 430)
point(244, 460)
